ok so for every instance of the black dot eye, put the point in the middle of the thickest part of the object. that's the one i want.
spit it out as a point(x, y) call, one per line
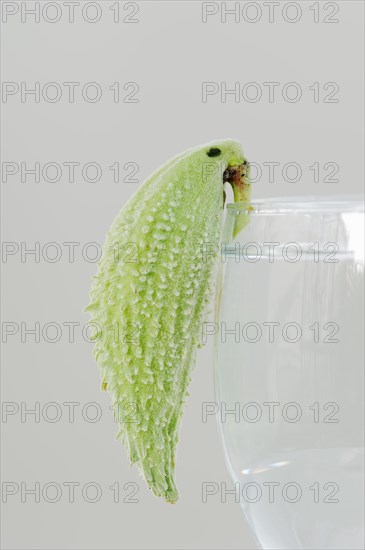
point(214, 152)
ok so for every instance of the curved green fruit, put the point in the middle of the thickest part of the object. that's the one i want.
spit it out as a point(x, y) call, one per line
point(149, 298)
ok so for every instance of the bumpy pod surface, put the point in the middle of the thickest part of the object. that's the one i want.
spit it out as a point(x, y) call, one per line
point(149, 297)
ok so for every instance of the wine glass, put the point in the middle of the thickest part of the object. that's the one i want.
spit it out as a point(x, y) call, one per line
point(289, 369)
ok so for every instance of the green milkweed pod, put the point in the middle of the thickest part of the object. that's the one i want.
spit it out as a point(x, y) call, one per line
point(157, 297)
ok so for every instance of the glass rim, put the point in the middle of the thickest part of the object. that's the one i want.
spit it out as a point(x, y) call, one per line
point(306, 204)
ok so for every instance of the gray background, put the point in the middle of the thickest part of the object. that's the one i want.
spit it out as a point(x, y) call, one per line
point(169, 53)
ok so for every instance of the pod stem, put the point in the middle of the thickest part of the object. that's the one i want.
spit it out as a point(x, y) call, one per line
point(238, 177)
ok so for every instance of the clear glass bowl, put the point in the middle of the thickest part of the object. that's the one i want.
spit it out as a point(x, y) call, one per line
point(289, 369)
